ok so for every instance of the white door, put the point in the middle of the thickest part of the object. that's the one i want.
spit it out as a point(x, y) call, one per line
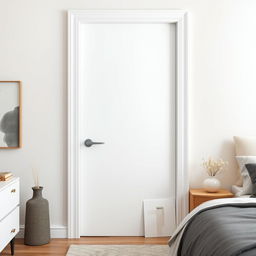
point(127, 78)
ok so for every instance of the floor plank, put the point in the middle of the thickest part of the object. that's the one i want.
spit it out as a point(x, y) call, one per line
point(59, 247)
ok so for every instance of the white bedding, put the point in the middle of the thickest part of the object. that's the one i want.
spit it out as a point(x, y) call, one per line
point(177, 235)
point(237, 190)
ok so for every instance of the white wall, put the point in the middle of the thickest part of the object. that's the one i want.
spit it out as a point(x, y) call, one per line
point(33, 48)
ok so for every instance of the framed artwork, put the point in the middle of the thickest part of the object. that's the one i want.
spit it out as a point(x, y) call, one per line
point(10, 114)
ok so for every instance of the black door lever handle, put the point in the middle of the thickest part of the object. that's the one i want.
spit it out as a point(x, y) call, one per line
point(89, 143)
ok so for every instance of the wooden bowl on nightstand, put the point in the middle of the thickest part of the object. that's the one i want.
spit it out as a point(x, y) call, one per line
point(198, 196)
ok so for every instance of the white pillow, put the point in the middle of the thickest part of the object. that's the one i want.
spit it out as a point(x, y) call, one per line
point(247, 183)
point(236, 190)
point(245, 146)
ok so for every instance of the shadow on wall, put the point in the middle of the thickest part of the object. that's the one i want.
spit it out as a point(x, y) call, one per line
point(230, 175)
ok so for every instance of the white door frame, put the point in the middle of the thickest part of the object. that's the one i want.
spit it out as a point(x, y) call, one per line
point(77, 17)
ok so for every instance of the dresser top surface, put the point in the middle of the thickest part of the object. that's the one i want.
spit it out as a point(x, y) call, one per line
point(202, 192)
point(4, 184)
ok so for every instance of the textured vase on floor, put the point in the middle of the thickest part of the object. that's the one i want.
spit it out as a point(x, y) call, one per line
point(212, 184)
point(37, 221)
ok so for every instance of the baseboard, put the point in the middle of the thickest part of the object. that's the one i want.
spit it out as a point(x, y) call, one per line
point(56, 232)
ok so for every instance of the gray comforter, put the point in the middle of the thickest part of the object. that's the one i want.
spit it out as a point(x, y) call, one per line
point(228, 230)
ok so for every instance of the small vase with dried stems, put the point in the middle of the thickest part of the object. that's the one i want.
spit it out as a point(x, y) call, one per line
point(213, 167)
point(37, 221)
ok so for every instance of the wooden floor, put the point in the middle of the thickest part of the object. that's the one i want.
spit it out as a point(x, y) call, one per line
point(59, 247)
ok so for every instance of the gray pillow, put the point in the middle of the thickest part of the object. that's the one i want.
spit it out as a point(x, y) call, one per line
point(251, 168)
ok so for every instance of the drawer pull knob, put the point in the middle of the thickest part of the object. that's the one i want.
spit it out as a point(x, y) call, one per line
point(13, 190)
point(13, 230)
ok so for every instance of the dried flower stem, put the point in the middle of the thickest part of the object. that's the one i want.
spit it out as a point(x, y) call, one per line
point(214, 167)
point(35, 177)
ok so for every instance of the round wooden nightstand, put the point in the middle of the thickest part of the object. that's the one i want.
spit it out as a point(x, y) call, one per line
point(198, 196)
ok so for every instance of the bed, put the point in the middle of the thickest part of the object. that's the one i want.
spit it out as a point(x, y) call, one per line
point(224, 227)
point(221, 227)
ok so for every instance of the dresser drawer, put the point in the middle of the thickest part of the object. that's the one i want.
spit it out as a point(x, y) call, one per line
point(9, 227)
point(200, 199)
point(197, 200)
point(9, 198)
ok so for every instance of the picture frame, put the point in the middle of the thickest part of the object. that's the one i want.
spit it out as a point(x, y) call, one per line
point(10, 114)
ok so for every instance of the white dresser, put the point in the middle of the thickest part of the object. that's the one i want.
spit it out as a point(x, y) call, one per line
point(9, 212)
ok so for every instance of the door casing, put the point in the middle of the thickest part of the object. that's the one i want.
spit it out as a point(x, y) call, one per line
point(75, 19)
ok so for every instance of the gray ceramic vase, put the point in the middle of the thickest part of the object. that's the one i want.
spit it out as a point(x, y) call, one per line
point(37, 221)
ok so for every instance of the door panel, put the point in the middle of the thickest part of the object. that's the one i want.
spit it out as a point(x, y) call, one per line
point(127, 73)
